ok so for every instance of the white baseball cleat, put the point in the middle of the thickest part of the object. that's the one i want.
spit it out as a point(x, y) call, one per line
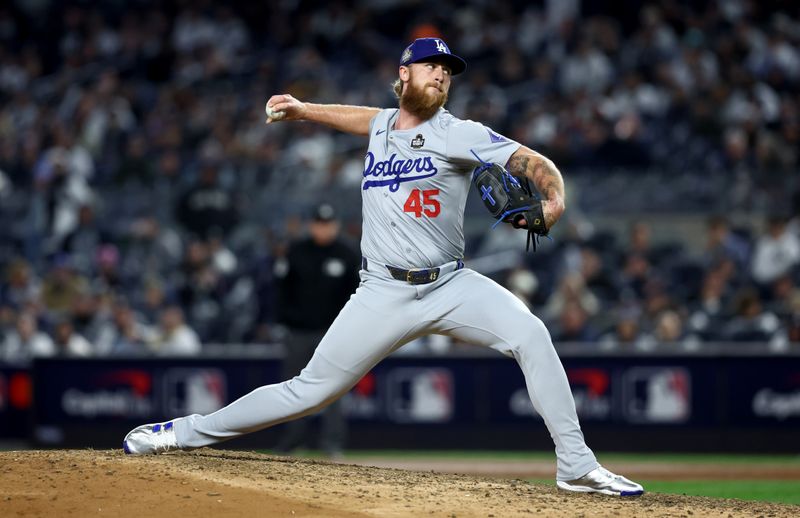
point(150, 438)
point(600, 480)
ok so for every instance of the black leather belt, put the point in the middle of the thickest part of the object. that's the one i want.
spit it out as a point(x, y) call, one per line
point(417, 276)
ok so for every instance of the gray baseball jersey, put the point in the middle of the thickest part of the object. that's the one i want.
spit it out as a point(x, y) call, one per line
point(414, 190)
point(415, 187)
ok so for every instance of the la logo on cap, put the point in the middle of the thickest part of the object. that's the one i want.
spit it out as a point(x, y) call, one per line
point(441, 47)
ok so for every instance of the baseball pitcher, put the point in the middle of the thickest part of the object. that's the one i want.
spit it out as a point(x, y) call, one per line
point(418, 169)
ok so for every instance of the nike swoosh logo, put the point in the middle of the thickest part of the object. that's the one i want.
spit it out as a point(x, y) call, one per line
point(380, 131)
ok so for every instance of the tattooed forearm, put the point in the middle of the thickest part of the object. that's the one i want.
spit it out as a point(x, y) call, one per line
point(545, 177)
point(547, 180)
point(518, 164)
point(540, 170)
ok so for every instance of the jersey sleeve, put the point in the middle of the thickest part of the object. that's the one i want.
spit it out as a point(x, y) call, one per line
point(379, 120)
point(372, 121)
point(466, 139)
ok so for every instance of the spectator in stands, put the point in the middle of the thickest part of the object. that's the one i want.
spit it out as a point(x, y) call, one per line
point(207, 207)
point(596, 276)
point(169, 167)
point(62, 190)
point(82, 244)
point(657, 299)
point(669, 331)
point(636, 270)
point(640, 236)
point(586, 70)
point(310, 153)
point(200, 290)
point(21, 286)
point(750, 322)
point(124, 334)
point(151, 249)
point(223, 260)
point(68, 342)
point(27, 341)
point(88, 314)
point(174, 337)
point(62, 285)
point(136, 166)
point(107, 274)
point(776, 252)
point(151, 300)
point(784, 291)
point(709, 312)
point(572, 288)
point(106, 114)
point(573, 324)
point(625, 334)
point(722, 243)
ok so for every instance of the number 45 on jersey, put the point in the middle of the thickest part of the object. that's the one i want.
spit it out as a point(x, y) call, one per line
point(423, 202)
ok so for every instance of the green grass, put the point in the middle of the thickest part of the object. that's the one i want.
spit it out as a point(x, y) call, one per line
point(783, 491)
point(778, 491)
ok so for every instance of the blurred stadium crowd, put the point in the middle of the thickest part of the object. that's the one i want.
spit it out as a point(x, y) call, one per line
point(144, 202)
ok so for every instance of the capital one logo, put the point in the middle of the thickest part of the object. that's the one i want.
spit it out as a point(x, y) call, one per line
point(441, 47)
point(121, 393)
point(591, 392)
point(779, 403)
point(363, 401)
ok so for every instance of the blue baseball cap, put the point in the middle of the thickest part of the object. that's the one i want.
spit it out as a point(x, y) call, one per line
point(423, 48)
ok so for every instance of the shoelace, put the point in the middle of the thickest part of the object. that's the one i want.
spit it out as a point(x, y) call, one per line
point(164, 439)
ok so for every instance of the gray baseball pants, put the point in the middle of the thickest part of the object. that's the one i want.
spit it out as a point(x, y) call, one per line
point(379, 318)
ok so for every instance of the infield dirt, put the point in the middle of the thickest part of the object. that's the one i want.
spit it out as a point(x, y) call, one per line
point(215, 483)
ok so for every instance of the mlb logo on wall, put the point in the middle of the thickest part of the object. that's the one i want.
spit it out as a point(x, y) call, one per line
point(656, 395)
point(194, 391)
point(420, 395)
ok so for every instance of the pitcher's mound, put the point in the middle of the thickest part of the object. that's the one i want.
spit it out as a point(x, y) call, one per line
point(214, 483)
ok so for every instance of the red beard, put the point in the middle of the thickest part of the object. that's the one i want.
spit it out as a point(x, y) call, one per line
point(422, 102)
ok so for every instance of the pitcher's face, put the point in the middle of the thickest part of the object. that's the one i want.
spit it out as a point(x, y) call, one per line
point(426, 89)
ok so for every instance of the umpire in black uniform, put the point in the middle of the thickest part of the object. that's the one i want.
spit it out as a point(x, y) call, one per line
point(315, 280)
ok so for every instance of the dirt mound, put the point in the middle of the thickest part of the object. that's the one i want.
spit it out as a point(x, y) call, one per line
point(639, 469)
point(208, 483)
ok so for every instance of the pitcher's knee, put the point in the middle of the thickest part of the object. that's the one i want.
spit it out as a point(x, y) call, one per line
point(310, 397)
point(533, 335)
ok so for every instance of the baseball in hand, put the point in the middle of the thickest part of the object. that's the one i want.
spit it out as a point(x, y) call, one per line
point(274, 114)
